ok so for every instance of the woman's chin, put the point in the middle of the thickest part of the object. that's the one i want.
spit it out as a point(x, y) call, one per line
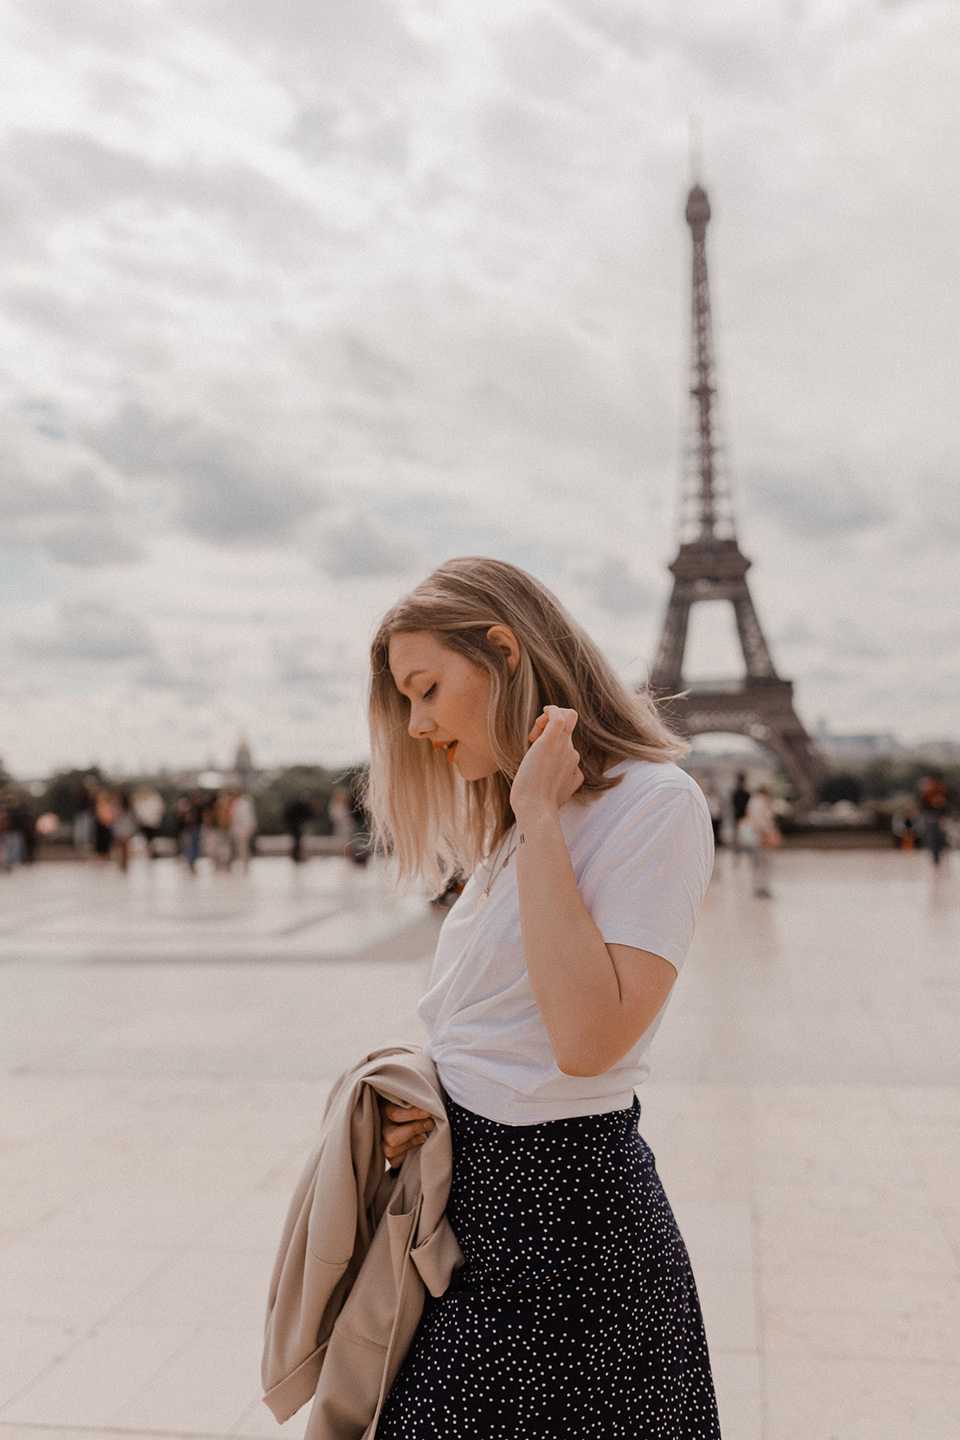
point(474, 771)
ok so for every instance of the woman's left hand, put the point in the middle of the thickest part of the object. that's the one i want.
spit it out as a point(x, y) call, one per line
point(549, 773)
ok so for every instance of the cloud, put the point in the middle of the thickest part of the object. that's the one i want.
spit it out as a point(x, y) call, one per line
point(620, 21)
point(848, 638)
point(359, 546)
point(939, 496)
point(226, 492)
point(57, 175)
point(89, 544)
point(90, 631)
point(816, 506)
point(613, 588)
point(71, 520)
point(333, 44)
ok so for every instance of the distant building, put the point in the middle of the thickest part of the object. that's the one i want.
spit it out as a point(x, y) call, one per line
point(864, 746)
point(243, 766)
point(884, 745)
point(243, 774)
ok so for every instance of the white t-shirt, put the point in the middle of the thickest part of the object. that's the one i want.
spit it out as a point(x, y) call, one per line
point(642, 853)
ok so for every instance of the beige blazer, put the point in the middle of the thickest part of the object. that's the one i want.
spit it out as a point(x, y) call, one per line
point(360, 1247)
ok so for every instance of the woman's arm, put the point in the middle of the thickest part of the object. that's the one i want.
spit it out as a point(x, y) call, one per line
point(596, 1000)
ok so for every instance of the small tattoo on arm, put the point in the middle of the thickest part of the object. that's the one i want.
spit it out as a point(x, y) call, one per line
point(522, 839)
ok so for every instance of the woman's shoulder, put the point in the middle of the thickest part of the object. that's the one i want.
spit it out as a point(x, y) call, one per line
point(655, 809)
point(644, 780)
point(649, 796)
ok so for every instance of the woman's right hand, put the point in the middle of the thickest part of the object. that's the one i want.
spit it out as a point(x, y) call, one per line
point(402, 1127)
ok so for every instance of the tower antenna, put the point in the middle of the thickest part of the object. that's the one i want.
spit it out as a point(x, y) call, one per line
point(696, 149)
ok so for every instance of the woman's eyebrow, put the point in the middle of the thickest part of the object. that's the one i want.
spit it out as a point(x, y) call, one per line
point(410, 677)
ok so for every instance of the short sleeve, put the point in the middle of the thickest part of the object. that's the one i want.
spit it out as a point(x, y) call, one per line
point(644, 882)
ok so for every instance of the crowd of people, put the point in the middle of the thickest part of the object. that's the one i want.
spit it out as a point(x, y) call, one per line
point(746, 819)
point(927, 822)
point(222, 826)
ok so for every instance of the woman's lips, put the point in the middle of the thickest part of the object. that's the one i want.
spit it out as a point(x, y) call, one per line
point(451, 752)
point(449, 748)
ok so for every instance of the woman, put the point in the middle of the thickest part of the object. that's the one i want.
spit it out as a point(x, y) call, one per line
point(576, 1313)
point(104, 817)
point(124, 829)
point(762, 837)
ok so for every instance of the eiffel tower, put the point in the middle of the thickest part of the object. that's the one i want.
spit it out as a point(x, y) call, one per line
point(710, 566)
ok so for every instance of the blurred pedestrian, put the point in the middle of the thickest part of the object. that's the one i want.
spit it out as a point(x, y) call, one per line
point(739, 800)
point(296, 813)
point(124, 829)
point(760, 834)
point(104, 814)
point(221, 836)
point(243, 826)
point(11, 841)
point(148, 807)
point(84, 820)
point(340, 812)
point(21, 827)
point(190, 814)
point(903, 827)
point(934, 805)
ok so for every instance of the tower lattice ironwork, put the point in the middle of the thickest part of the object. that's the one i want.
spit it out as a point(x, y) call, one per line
point(710, 567)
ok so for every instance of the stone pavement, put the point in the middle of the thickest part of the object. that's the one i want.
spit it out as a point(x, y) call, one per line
point(167, 1044)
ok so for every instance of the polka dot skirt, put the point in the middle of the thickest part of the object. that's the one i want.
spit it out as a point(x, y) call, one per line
point(576, 1314)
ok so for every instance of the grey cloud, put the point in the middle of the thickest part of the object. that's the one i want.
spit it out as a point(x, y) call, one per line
point(47, 419)
point(81, 492)
point(331, 43)
point(382, 140)
point(70, 521)
point(89, 544)
point(815, 507)
point(359, 546)
point(613, 588)
point(92, 632)
point(939, 490)
point(314, 133)
point(72, 173)
point(226, 494)
point(58, 173)
point(795, 631)
point(330, 686)
point(619, 21)
point(226, 498)
point(371, 368)
point(848, 638)
point(112, 23)
point(544, 57)
point(193, 679)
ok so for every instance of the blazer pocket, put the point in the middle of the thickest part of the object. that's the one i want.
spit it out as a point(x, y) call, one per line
point(401, 1225)
point(437, 1257)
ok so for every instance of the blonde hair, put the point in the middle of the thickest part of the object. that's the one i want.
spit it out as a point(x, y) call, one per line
point(437, 824)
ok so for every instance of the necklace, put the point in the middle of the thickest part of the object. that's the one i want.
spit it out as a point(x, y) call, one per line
point(484, 895)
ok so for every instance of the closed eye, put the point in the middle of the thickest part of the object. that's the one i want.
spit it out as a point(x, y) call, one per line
point(430, 691)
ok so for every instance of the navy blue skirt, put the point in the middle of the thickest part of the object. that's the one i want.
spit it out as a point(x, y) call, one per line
point(576, 1313)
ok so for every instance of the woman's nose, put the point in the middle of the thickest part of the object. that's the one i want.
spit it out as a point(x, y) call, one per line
point(420, 725)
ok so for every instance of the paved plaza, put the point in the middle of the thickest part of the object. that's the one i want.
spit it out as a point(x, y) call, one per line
point(167, 1043)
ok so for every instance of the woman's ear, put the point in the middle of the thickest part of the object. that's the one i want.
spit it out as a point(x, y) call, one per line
point(503, 638)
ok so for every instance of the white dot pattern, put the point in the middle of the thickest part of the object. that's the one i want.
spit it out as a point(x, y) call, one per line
point(576, 1313)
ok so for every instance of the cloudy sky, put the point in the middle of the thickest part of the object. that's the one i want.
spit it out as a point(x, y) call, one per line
point(299, 298)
